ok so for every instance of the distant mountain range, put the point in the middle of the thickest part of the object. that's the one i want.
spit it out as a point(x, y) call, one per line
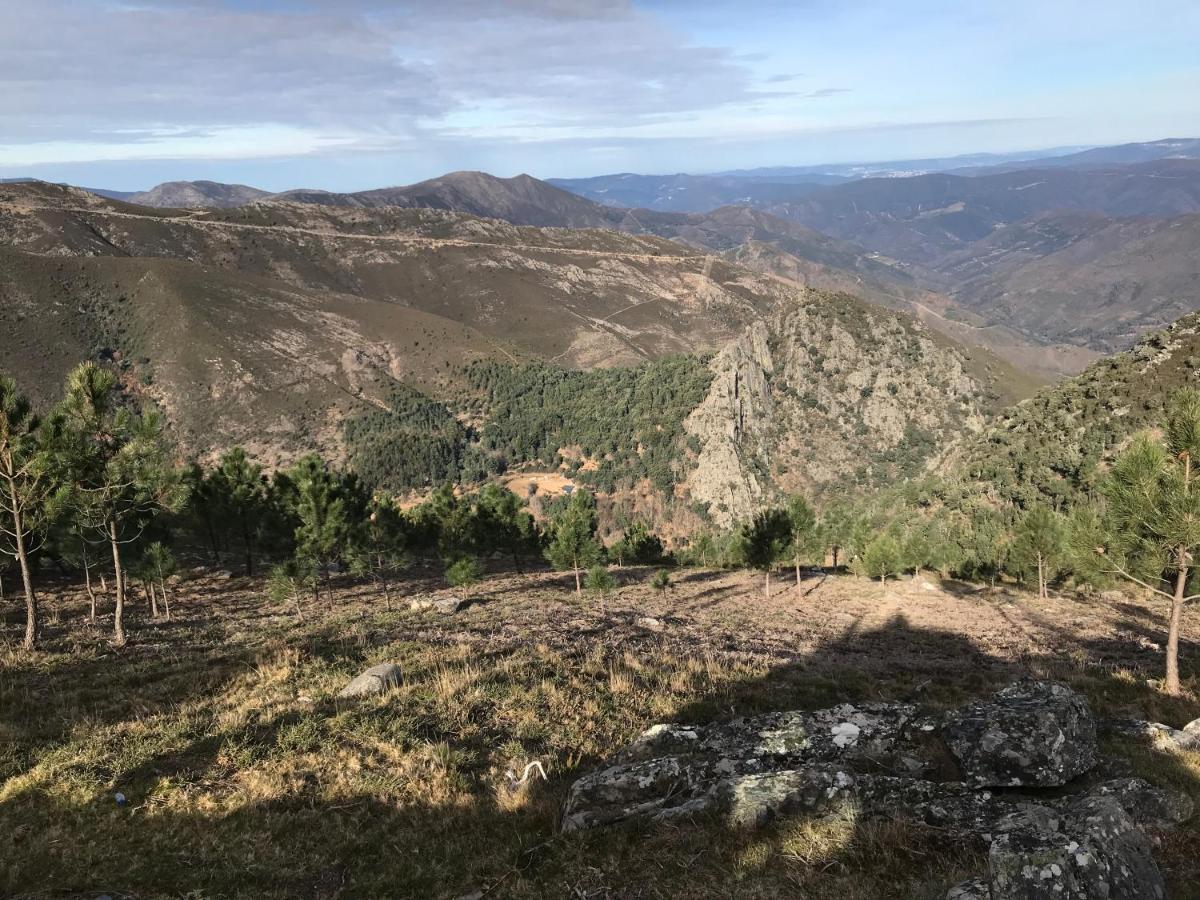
point(1046, 260)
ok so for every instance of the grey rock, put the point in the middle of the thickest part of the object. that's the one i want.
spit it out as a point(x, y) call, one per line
point(869, 730)
point(444, 605)
point(1185, 738)
point(1147, 805)
point(971, 889)
point(1032, 733)
point(1091, 850)
point(376, 680)
point(1189, 736)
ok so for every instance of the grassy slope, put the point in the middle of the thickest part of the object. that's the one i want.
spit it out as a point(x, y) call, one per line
point(246, 777)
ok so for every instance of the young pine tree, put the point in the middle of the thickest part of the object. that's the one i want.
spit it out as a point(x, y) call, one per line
point(807, 543)
point(765, 541)
point(380, 551)
point(1153, 516)
point(26, 488)
point(114, 467)
point(1039, 545)
point(881, 557)
point(239, 484)
point(328, 507)
point(573, 545)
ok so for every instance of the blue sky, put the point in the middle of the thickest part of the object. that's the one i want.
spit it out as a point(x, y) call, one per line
point(351, 94)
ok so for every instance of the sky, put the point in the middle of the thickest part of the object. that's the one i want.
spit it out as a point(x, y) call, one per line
point(356, 94)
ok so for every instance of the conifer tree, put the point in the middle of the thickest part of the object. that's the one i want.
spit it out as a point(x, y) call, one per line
point(1039, 545)
point(25, 493)
point(242, 489)
point(115, 468)
point(328, 507)
point(806, 541)
point(573, 545)
point(381, 549)
point(765, 541)
point(1153, 516)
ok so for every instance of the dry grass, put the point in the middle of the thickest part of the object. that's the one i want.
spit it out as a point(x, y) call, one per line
point(247, 777)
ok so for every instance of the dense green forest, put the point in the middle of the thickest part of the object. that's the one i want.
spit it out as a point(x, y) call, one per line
point(629, 421)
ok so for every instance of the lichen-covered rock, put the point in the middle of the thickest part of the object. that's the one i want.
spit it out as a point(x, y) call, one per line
point(971, 889)
point(1032, 733)
point(376, 680)
point(1147, 805)
point(1091, 850)
point(873, 730)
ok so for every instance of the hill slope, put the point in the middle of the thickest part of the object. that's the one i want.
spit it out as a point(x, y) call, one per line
point(275, 325)
point(1057, 443)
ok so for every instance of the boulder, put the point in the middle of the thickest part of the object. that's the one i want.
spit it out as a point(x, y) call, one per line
point(1032, 733)
point(1189, 736)
point(1147, 805)
point(971, 889)
point(444, 605)
point(1091, 850)
point(376, 680)
point(780, 740)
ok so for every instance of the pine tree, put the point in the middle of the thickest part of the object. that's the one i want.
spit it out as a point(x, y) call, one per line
point(501, 523)
point(637, 547)
point(463, 573)
point(381, 549)
point(807, 543)
point(1153, 516)
point(573, 545)
point(114, 468)
point(328, 507)
point(242, 491)
point(1039, 545)
point(881, 557)
point(765, 541)
point(26, 488)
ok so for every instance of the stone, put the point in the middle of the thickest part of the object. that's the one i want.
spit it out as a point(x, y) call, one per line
point(1032, 733)
point(1189, 736)
point(877, 762)
point(650, 623)
point(1091, 850)
point(444, 605)
point(376, 680)
point(1147, 805)
point(971, 889)
point(871, 730)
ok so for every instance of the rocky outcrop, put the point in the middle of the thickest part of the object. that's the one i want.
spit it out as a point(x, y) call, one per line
point(1030, 734)
point(376, 680)
point(887, 761)
point(1185, 738)
point(1089, 850)
point(820, 393)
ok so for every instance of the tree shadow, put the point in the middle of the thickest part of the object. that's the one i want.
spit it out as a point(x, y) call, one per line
point(411, 836)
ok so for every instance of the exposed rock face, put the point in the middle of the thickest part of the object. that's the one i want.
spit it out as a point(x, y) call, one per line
point(816, 394)
point(376, 680)
point(1030, 734)
point(1091, 850)
point(883, 761)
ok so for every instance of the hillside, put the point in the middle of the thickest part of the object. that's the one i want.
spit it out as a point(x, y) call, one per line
point(1056, 444)
point(279, 325)
point(186, 194)
point(1083, 278)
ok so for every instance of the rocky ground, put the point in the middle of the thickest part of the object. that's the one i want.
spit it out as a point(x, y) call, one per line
point(245, 774)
